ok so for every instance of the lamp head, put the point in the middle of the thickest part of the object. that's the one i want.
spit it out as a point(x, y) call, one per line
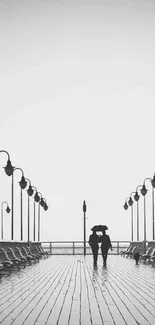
point(84, 206)
point(37, 197)
point(130, 201)
point(23, 183)
point(125, 206)
point(143, 190)
point(136, 196)
point(9, 168)
point(42, 202)
point(30, 191)
point(8, 209)
point(45, 207)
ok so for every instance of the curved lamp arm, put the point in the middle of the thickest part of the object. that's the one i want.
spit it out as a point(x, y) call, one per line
point(6, 153)
point(30, 189)
point(130, 202)
point(8, 168)
point(15, 168)
point(7, 208)
point(148, 178)
point(35, 189)
point(22, 182)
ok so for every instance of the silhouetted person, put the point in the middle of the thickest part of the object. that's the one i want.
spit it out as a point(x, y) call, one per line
point(93, 242)
point(105, 245)
point(136, 257)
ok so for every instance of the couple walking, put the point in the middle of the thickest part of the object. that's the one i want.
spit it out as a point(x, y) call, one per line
point(105, 241)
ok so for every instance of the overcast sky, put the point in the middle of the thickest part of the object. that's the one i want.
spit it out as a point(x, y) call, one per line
point(77, 102)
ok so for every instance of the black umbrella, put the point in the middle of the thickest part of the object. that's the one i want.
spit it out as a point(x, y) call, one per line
point(99, 228)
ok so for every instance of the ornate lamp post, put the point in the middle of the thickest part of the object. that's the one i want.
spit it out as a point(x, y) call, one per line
point(8, 211)
point(152, 180)
point(84, 219)
point(30, 193)
point(37, 199)
point(34, 220)
point(136, 198)
point(143, 192)
point(22, 184)
point(39, 195)
point(43, 203)
point(153, 186)
point(130, 203)
point(9, 171)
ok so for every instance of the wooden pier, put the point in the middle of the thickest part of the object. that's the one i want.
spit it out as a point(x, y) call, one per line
point(68, 290)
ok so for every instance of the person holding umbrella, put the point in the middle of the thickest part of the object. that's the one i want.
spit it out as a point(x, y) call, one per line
point(94, 244)
point(105, 244)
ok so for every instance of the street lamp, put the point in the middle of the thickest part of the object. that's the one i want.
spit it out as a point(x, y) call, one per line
point(126, 205)
point(153, 186)
point(34, 220)
point(30, 193)
point(8, 211)
point(152, 180)
point(9, 171)
point(44, 205)
point(143, 192)
point(38, 197)
point(130, 202)
point(30, 190)
point(22, 184)
point(42, 202)
point(84, 230)
point(136, 198)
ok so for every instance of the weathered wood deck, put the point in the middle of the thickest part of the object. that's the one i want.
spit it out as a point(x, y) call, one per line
point(66, 290)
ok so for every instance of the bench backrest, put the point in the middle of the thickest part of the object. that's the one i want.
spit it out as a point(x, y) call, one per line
point(133, 249)
point(153, 252)
point(4, 255)
point(149, 250)
point(20, 252)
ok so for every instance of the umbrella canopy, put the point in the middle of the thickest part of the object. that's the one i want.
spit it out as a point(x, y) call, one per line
point(99, 227)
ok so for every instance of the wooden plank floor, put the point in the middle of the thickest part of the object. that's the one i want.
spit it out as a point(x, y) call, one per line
point(67, 290)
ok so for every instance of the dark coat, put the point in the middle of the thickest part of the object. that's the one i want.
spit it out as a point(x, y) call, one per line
point(94, 240)
point(105, 242)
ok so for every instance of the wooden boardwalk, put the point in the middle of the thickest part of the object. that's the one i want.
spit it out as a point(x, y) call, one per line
point(67, 290)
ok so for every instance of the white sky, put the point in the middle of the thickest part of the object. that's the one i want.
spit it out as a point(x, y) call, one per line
point(77, 110)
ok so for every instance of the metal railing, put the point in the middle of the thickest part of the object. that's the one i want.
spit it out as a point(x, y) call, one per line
point(77, 247)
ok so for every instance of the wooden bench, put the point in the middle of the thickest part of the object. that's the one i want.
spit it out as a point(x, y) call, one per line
point(14, 261)
point(13, 255)
point(36, 256)
point(5, 265)
point(147, 255)
point(27, 259)
point(29, 256)
point(45, 254)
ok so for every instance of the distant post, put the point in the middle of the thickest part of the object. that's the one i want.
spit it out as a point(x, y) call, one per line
point(84, 228)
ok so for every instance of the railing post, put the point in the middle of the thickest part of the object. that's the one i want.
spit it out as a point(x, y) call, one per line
point(73, 248)
point(117, 247)
point(50, 248)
